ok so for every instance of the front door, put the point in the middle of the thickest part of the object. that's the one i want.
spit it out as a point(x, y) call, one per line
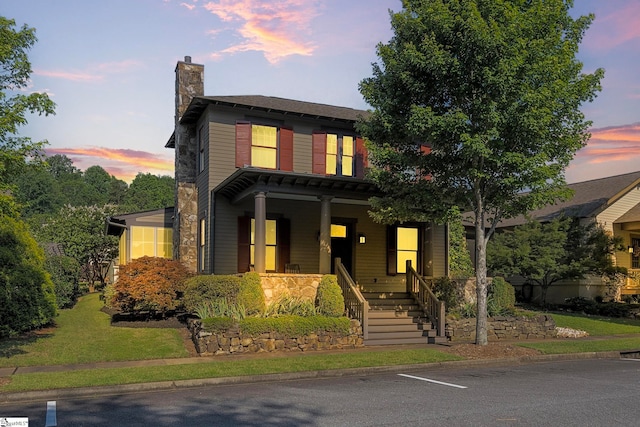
point(342, 245)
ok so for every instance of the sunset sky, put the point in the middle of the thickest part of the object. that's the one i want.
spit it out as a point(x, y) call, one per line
point(109, 66)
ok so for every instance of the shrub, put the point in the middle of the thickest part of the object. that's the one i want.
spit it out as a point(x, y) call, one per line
point(329, 299)
point(446, 290)
point(149, 284)
point(294, 326)
point(65, 274)
point(502, 294)
point(201, 290)
point(217, 324)
point(251, 295)
point(27, 296)
point(288, 305)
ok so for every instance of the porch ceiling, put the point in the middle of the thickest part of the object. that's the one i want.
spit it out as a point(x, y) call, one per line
point(247, 181)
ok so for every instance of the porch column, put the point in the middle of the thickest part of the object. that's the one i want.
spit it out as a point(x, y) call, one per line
point(260, 238)
point(325, 235)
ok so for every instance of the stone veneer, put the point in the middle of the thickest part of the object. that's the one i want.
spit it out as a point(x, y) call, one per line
point(503, 328)
point(185, 230)
point(295, 285)
point(234, 341)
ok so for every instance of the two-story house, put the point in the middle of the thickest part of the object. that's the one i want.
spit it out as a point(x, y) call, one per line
point(276, 185)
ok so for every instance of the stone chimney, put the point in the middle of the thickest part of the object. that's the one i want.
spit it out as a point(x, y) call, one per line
point(189, 84)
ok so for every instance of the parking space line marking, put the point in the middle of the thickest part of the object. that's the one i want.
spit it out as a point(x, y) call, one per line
point(51, 420)
point(432, 381)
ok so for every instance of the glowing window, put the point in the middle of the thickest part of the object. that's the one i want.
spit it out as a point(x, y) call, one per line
point(347, 156)
point(151, 241)
point(264, 146)
point(332, 154)
point(271, 246)
point(338, 230)
point(407, 246)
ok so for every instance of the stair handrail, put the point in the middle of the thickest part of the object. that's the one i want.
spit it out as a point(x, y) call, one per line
point(355, 304)
point(426, 299)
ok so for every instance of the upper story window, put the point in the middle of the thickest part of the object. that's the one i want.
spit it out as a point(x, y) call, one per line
point(264, 146)
point(338, 154)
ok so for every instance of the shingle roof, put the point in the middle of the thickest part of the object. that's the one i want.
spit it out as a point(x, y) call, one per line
point(589, 198)
point(273, 104)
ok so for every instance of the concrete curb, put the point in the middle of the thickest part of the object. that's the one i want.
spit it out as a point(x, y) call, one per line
point(332, 373)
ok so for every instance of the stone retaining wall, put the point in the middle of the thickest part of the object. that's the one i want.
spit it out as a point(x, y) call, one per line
point(503, 328)
point(296, 285)
point(233, 341)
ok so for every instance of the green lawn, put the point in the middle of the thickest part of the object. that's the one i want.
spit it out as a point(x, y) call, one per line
point(216, 368)
point(597, 325)
point(83, 335)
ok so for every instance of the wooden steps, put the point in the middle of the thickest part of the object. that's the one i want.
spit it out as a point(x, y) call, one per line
point(395, 319)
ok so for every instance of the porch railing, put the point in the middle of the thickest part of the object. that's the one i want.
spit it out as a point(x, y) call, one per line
point(356, 306)
point(428, 302)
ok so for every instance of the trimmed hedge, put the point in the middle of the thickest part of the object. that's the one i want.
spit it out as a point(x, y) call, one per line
point(251, 295)
point(329, 298)
point(200, 290)
point(294, 325)
point(502, 294)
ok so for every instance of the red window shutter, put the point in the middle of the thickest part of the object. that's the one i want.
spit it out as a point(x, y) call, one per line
point(283, 242)
point(319, 159)
point(361, 157)
point(244, 243)
point(243, 144)
point(392, 250)
point(286, 149)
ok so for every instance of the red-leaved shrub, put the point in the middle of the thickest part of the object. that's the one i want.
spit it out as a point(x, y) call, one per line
point(149, 284)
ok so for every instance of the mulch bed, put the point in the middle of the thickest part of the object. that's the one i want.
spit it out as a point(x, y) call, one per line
point(146, 320)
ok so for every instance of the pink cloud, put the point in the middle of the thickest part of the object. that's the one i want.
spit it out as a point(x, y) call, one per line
point(125, 164)
point(621, 25)
point(611, 144)
point(94, 73)
point(273, 28)
point(76, 77)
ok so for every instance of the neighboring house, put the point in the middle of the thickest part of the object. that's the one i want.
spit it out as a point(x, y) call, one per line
point(278, 186)
point(142, 234)
point(612, 202)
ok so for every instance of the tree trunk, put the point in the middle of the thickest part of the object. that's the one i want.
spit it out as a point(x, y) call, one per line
point(481, 283)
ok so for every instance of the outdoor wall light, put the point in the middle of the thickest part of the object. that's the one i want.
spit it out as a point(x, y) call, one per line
point(630, 249)
point(362, 239)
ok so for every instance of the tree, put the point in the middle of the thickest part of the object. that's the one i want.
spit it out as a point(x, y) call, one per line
point(546, 253)
point(149, 192)
point(474, 102)
point(81, 231)
point(15, 151)
point(27, 295)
